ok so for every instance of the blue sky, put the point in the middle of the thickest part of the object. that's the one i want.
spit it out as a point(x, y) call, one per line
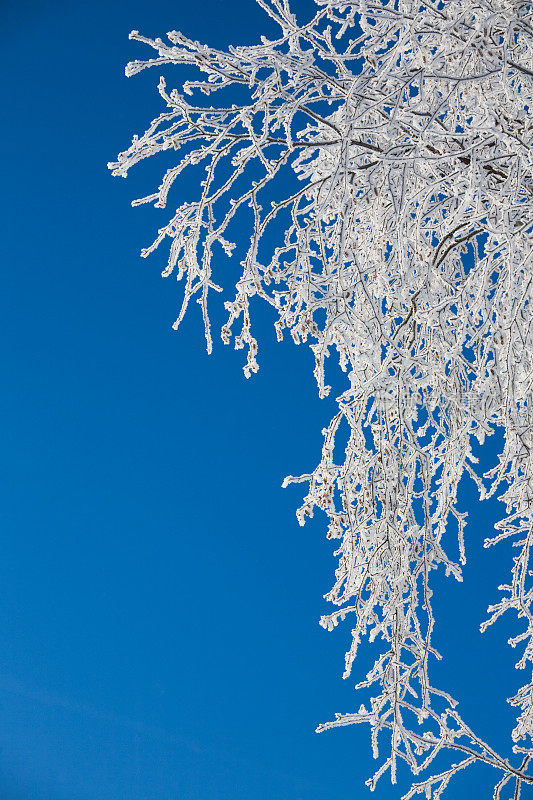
point(159, 604)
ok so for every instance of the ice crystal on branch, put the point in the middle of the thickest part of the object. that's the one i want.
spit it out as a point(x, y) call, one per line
point(405, 249)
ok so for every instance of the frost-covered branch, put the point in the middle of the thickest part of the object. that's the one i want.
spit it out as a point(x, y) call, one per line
point(386, 147)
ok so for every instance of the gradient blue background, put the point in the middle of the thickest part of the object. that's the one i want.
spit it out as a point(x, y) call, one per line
point(158, 601)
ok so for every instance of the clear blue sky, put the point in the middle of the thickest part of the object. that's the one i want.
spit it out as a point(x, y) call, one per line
point(159, 604)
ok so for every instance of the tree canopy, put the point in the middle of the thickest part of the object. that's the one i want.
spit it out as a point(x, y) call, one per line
point(379, 156)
